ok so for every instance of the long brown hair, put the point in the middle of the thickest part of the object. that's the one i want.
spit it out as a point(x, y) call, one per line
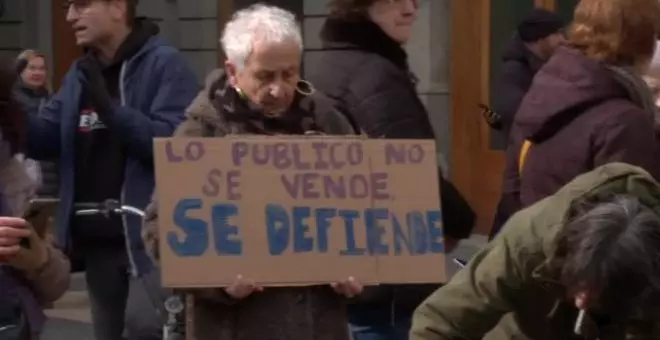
point(12, 119)
point(618, 32)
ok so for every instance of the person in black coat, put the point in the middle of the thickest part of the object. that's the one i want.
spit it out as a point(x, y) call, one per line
point(364, 68)
point(535, 40)
point(31, 92)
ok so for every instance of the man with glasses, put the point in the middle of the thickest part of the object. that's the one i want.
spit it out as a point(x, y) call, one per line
point(130, 87)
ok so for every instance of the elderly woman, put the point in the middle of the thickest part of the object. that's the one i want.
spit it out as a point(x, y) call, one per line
point(364, 67)
point(32, 272)
point(260, 92)
point(31, 92)
point(588, 105)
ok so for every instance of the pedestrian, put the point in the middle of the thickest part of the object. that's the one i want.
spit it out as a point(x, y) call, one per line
point(260, 92)
point(581, 264)
point(32, 92)
point(536, 39)
point(364, 67)
point(33, 273)
point(588, 105)
point(130, 87)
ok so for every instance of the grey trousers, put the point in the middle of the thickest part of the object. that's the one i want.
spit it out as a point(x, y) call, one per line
point(123, 307)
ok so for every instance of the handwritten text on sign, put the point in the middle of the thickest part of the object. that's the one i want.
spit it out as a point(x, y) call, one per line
point(244, 199)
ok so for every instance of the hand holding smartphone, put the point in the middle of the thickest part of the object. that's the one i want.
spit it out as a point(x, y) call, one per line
point(38, 214)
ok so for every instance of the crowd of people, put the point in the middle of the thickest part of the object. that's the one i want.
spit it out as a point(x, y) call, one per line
point(574, 243)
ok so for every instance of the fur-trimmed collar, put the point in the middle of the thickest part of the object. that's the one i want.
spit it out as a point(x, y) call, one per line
point(365, 35)
point(226, 107)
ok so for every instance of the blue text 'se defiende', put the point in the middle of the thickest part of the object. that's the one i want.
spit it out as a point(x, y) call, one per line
point(291, 231)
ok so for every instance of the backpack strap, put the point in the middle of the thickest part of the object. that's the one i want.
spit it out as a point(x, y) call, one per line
point(560, 121)
point(524, 150)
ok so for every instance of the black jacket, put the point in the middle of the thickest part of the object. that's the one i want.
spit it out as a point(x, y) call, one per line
point(518, 68)
point(367, 74)
point(31, 101)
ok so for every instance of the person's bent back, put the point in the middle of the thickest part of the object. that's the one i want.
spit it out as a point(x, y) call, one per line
point(581, 261)
point(588, 105)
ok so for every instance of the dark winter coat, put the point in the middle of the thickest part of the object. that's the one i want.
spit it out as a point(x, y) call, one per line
point(579, 114)
point(32, 101)
point(367, 74)
point(518, 68)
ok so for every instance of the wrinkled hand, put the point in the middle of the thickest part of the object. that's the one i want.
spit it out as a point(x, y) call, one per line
point(242, 288)
point(12, 232)
point(94, 85)
point(348, 288)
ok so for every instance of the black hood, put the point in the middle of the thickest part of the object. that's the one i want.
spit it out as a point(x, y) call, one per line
point(142, 30)
point(363, 34)
point(565, 87)
point(515, 50)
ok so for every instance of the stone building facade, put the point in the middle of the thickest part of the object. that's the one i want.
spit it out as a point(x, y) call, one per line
point(193, 26)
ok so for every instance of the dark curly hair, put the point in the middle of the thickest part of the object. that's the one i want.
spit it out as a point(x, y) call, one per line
point(609, 248)
point(12, 119)
point(349, 8)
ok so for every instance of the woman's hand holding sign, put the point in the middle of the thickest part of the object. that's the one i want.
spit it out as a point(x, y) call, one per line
point(348, 288)
point(242, 288)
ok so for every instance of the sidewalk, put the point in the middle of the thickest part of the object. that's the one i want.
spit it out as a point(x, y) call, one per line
point(70, 318)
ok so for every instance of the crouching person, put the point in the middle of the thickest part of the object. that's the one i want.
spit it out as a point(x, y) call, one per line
point(260, 93)
point(581, 264)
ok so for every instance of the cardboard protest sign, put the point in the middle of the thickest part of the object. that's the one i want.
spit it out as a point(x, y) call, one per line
point(298, 211)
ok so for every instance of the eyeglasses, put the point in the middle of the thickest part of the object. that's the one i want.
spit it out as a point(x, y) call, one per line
point(78, 5)
point(415, 3)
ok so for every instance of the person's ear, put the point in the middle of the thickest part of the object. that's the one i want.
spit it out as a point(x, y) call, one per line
point(232, 73)
point(117, 9)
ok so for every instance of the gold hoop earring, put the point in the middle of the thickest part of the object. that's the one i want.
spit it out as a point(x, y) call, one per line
point(308, 89)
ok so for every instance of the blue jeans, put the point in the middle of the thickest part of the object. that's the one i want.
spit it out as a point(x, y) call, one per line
point(380, 326)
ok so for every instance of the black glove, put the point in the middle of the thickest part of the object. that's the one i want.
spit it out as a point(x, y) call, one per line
point(94, 87)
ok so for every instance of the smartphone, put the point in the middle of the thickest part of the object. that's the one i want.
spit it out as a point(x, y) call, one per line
point(39, 213)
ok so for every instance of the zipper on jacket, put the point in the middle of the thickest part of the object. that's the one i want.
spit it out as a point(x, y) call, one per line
point(124, 220)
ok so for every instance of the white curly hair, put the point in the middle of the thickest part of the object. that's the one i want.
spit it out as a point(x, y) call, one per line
point(258, 22)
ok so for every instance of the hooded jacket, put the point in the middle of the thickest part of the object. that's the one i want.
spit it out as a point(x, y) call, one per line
point(508, 291)
point(579, 114)
point(156, 85)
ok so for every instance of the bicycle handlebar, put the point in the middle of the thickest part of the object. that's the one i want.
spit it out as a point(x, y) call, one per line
point(124, 209)
point(106, 208)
